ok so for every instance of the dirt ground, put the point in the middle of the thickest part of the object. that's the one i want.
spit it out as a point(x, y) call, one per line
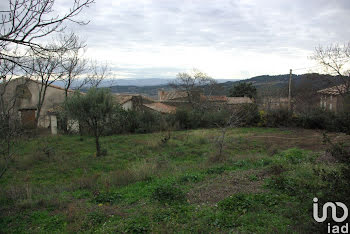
point(301, 138)
point(211, 191)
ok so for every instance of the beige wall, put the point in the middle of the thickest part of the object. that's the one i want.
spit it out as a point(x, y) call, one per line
point(330, 102)
point(127, 105)
point(53, 97)
point(271, 103)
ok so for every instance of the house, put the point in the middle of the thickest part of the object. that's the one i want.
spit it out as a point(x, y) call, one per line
point(132, 101)
point(142, 103)
point(273, 103)
point(23, 93)
point(173, 95)
point(181, 99)
point(227, 100)
point(161, 108)
point(239, 100)
point(178, 98)
point(336, 98)
point(128, 101)
point(216, 99)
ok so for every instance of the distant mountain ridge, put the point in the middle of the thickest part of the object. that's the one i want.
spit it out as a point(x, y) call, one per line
point(276, 85)
point(141, 82)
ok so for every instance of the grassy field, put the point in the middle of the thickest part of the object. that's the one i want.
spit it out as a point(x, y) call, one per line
point(263, 183)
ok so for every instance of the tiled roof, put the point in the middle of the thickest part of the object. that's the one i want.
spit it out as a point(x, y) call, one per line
point(38, 82)
point(170, 95)
point(147, 98)
point(214, 98)
point(335, 90)
point(275, 100)
point(238, 100)
point(122, 98)
point(161, 107)
point(51, 85)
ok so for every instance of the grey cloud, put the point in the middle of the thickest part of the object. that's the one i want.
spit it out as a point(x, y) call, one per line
point(147, 72)
point(270, 26)
point(202, 23)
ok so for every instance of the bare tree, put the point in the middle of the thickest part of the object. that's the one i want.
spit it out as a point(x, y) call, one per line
point(335, 60)
point(45, 70)
point(97, 72)
point(26, 21)
point(305, 91)
point(236, 116)
point(73, 65)
point(10, 128)
point(192, 84)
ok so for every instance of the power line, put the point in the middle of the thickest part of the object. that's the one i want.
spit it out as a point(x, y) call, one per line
point(322, 65)
point(305, 68)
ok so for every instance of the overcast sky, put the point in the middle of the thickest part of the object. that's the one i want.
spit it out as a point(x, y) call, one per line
point(224, 38)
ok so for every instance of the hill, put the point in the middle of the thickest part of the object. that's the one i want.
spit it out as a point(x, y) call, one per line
point(266, 85)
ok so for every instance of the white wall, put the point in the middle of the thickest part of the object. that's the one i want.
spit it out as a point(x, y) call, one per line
point(127, 105)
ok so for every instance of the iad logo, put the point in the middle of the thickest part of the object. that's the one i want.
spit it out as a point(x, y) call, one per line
point(335, 228)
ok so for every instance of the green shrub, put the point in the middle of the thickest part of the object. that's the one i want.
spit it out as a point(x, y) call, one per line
point(342, 122)
point(192, 119)
point(182, 117)
point(293, 155)
point(107, 197)
point(277, 118)
point(283, 183)
point(168, 193)
point(242, 202)
point(47, 222)
point(224, 219)
point(137, 122)
point(236, 203)
point(190, 178)
point(95, 218)
point(251, 115)
point(322, 119)
point(314, 119)
point(276, 169)
point(301, 182)
point(336, 186)
point(140, 224)
point(216, 170)
point(317, 119)
point(103, 152)
point(92, 220)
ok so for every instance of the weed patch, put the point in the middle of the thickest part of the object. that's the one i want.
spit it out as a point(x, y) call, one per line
point(107, 197)
point(168, 193)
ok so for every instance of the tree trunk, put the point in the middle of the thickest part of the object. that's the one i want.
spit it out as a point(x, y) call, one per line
point(65, 124)
point(98, 149)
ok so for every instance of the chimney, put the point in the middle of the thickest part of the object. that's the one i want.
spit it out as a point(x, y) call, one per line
point(161, 94)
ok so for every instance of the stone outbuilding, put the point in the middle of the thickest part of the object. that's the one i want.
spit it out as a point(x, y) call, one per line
point(24, 93)
point(336, 98)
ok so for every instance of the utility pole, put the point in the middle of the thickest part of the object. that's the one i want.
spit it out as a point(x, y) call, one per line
point(290, 91)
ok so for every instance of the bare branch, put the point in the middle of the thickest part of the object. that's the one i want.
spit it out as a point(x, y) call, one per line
point(28, 20)
point(335, 60)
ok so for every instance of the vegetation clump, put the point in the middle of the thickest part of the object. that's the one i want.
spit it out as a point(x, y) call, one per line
point(168, 193)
